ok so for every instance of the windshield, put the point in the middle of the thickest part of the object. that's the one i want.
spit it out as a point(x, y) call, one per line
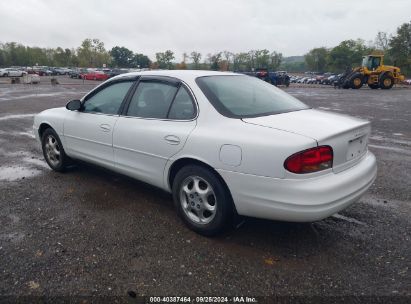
point(245, 96)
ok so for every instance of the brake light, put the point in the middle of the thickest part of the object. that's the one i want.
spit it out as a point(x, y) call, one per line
point(311, 160)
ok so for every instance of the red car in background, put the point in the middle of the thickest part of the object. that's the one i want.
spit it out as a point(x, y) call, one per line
point(95, 75)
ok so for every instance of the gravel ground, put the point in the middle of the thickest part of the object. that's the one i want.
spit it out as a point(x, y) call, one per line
point(90, 232)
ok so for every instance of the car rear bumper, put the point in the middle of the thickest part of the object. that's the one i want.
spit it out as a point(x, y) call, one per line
point(300, 200)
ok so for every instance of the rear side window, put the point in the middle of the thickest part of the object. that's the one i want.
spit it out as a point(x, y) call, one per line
point(183, 106)
point(244, 96)
point(152, 100)
point(109, 99)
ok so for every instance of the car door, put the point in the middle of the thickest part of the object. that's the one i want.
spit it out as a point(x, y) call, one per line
point(13, 73)
point(157, 120)
point(88, 133)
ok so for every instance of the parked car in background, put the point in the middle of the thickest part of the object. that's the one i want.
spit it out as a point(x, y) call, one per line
point(275, 78)
point(43, 71)
point(164, 128)
point(311, 80)
point(116, 72)
point(95, 75)
point(60, 71)
point(65, 71)
point(76, 73)
point(12, 72)
point(319, 78)
point(30, 71)
point(329, 79)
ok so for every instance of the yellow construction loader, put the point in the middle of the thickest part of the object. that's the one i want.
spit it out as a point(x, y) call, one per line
point(374, 73)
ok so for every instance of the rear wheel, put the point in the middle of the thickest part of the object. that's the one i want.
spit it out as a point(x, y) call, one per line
point(53, 151)
point(386, 82)
point(202, 200)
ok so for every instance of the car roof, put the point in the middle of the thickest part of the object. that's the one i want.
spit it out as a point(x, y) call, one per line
point(185, 75)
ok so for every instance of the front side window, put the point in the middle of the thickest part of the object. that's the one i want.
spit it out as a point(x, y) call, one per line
point(238, 96)
point(152, 100)
point(109, 99)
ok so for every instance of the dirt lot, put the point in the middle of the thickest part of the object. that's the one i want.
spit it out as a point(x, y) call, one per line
point(93, 232)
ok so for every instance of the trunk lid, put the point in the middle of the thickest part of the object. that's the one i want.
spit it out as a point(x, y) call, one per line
point(348, 136)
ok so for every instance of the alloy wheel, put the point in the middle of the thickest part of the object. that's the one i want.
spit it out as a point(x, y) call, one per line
point(198, 200)
point(52, 150)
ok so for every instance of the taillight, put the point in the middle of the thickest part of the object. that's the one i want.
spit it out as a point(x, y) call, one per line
point(311, 160)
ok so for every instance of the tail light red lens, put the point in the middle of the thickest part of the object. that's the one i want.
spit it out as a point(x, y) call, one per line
point(311, 160)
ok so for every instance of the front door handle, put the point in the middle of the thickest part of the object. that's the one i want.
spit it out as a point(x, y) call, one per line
point(105, 127)
point(172, 139)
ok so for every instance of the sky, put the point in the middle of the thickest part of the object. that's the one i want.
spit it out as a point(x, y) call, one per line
point(291, 27)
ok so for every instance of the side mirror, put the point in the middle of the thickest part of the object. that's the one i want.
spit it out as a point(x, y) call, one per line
point(74, 105)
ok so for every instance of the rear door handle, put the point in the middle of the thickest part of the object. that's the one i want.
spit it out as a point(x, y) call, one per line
point(105, 127)
point(172, 139)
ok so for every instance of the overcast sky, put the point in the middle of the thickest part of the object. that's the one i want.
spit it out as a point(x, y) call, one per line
point(292, 27)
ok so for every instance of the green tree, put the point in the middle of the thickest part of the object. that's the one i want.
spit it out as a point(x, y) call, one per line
point(275, 60)
point(261, 59)
point(2, 58)
point(140, 61)
point(241, 62)
point(347, 54)
point(121, 57)
point(316, 59)
point(92, 53)
point(400, 48)
point(62, 57)
point(15, 54)
point(165, 59)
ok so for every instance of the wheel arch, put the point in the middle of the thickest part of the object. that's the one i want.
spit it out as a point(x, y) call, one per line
point(42, 127)
point(184, 161)
point(389, 73)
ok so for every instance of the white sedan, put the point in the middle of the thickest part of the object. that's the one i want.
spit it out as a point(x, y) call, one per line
point(10, 72)
point(222, 143)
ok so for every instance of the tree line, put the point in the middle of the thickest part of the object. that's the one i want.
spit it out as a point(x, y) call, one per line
point(92, 53)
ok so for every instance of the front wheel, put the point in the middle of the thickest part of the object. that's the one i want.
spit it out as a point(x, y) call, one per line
point(356, 81)
point(202, 200)
point(53, 151)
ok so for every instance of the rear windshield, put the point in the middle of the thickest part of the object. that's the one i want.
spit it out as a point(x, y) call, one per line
point(238, 96)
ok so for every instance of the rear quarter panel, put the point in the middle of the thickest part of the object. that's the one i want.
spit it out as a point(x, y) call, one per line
point(263, 150)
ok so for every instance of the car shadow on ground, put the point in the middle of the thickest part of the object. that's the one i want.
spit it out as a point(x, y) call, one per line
point(107, 190)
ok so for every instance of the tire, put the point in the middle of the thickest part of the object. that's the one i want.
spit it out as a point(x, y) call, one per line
point(373, 86)
point(202, 200)
point(356, 81)
point(53, 151)
point(386, 82)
